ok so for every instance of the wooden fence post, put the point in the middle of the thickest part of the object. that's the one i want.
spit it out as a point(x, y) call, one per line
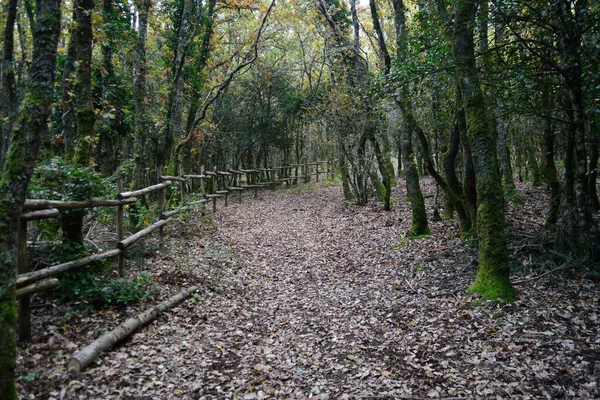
point(317, 170)
point(23, 267)
point(121, 256)
point(161, 207)
point(327, 169)
point(182, 186)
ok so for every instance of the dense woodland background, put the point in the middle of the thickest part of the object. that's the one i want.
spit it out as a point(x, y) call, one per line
point(475, 94)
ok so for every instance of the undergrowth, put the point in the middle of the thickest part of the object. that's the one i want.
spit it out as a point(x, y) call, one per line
point(95, 288)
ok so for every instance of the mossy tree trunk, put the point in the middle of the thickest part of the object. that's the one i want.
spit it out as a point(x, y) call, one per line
point(9, 102)
point(419, 225)
point(492, 279)
point(29, 126)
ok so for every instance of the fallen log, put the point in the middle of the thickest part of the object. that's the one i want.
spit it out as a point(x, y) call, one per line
point(29, 277)
point(125, 243)
point(37, 287)
point(86, 356)
point(143, 191)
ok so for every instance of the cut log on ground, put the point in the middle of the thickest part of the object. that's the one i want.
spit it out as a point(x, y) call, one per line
point(40, 286)
point(86, 356)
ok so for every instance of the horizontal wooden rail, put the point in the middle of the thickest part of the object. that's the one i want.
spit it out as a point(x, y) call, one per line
point(169, 214)
point(34, 276)
point(40, 214)
point(125, 243)
point(173, 178)
point(69, 205)
point(144, 191)
point(197, 177)
point(37, 287)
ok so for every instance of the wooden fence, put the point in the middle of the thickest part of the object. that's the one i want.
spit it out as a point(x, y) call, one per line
point(223, 184)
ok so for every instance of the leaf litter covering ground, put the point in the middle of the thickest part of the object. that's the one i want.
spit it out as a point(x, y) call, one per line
point(305, 296)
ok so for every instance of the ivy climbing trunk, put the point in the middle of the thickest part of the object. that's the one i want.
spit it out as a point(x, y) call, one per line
point(81, 44)
point(492, 279)
point(27, 131)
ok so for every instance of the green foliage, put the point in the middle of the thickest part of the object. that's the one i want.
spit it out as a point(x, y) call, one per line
point(56, 179)
point(95, 288)
point(402, 241)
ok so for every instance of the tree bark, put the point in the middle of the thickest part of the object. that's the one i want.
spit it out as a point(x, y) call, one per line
point(8, 92)
point(84, 107)
point(571, 15)
point(492, 279)
point(174, 123)
point(81, 44)
point(29, 126)
point(510, 189)
point(593, 175)
point(139, 85)
point(419, 225)
point(69, 114)
point(550, 173)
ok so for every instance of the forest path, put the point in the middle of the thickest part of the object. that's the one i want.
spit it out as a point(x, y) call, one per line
point(315, 298)
point(305, 296)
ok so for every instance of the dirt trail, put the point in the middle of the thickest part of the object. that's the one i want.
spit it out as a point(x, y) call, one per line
point(318, 299)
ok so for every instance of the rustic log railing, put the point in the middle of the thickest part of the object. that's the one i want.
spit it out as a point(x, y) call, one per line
point(223, 182)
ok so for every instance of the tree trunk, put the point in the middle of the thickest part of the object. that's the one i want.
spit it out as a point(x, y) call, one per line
point(593, 175)
point(571, 16)
point(81, 44)
point(69, 116)
point(8, 92)
point(492, 279)
point(174, 123)
point(470, 180)
point(510, 189)
point(84, 107)
point(109, 144)
point(419, 225)
point(29, 126)
point(550, 174)
point(139, 86)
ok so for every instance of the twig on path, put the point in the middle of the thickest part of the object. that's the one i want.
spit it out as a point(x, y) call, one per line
point(542, 275)
point(413, 398)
